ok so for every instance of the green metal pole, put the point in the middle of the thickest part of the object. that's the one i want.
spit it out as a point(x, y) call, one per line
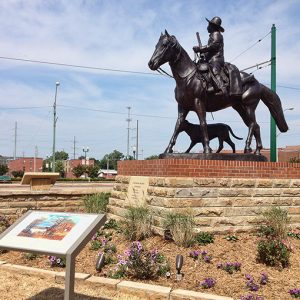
point(54, 127)
point(273, 144)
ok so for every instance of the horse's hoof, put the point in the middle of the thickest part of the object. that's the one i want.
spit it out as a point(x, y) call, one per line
point(207, 150)
point(247, 150)
point(257, 152)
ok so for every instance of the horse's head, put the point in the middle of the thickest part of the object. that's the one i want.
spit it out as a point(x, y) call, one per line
point(165, 51)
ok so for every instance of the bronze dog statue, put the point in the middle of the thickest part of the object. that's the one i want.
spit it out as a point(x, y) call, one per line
point(218, 130)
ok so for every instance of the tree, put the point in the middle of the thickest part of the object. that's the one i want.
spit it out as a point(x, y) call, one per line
point(152, 157)
point(92, 171)
point(3, 169)
point(78, 170)
point(59, 167)
point(112, 159)
point(61, 155)
point(17, 174)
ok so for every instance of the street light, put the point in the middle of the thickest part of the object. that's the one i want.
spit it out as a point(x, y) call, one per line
point(54, 126)
point(85, 150)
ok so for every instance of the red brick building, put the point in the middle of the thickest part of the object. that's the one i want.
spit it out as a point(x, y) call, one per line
point(70, 164)
point(26, 164)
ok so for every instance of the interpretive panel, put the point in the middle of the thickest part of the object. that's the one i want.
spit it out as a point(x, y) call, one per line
point(47, 231)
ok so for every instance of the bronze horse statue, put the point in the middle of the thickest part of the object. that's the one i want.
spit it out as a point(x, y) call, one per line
point(191, 95)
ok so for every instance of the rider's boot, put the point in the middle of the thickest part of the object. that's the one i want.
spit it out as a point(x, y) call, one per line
point(222, 89)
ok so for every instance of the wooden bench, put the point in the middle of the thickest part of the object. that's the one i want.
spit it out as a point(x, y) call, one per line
point(39, 181)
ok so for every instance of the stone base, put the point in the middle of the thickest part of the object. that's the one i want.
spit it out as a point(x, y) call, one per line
point(215, 156)
point(217, 204)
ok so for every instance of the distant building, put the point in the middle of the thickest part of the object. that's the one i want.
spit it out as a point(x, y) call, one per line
point(70, 164)
point(107, 173)
point(25, 164)
point(284, 154)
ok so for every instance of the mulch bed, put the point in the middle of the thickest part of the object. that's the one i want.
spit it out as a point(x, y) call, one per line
point(233, 285)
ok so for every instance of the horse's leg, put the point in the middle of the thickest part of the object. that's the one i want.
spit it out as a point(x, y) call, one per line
point(182, 113)
point(201, 113)
point(240, 108)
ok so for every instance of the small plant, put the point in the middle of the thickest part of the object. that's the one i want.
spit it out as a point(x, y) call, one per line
point(273, 252)
point(252, 297)
point(111, 224)
point(276, 222)
point(57, 261)
point(230, 267)
point(194, 254)
point(30, 256)
point(231, 238)
point(110, 248)
point(141, 264)
point(204, 238)
point(137, 223)
point(208, 283)
point(181, 226)
point(295, 293)
point(96, 203)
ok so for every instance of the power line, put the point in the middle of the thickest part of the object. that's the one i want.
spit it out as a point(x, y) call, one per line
point(76, 66)
point(24, 107)
point(250, 46)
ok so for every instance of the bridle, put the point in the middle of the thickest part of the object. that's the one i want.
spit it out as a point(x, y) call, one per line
point(160, 70)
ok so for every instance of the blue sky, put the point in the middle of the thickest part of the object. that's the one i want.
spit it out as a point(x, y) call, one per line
point(122, 35)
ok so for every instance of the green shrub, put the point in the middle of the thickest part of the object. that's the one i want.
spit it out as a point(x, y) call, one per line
point(276, 223)
point(30, 256)
point(181, 226)
point(137, 223)
point(273, 252)
point(204, 238)
point(96, 203)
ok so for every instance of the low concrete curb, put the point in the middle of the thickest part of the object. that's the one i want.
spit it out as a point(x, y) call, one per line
point(142, 290)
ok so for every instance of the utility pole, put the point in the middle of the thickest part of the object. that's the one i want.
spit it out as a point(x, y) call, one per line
point(74, 148)
point(15, 148)
point(273, 144)
point(54, 127)
point(128, 129)
point(137, 139)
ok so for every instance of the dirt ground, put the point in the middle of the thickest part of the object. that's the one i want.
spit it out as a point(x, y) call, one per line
point(30, 287)
point(243, 251)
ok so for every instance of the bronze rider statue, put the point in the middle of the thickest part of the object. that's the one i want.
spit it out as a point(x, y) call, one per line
point(214, 52)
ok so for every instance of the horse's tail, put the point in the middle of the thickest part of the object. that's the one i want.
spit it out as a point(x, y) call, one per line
point(230, 130)
point(272, 101)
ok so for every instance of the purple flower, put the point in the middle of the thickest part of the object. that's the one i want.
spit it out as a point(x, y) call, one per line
point(264, 278)
point(154, 254)
point(252, 297)
point(194, 254)
point(295, 293)
point(208, 283)
point(207, 259)
point(203, 253)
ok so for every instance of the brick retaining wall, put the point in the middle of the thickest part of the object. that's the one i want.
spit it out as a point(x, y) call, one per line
point(208, 168)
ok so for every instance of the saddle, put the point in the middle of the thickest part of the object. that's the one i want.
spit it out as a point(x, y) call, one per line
point(230, 75)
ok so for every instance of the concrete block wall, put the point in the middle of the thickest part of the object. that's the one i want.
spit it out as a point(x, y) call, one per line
point(218, 204)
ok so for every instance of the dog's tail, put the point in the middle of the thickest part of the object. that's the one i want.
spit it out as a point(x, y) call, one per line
point(230, 130)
